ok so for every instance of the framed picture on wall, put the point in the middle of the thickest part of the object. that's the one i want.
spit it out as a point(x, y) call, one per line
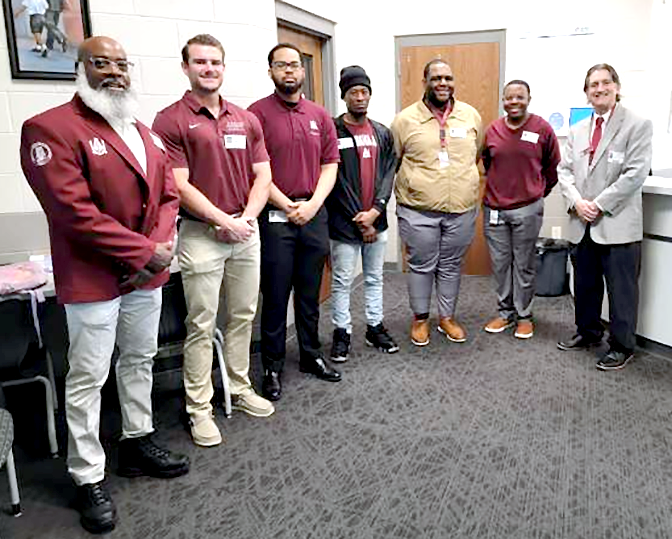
point(43, 37)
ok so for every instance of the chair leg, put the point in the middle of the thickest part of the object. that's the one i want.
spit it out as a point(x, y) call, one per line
point(51, 421)
point(52, 379)
point(217, 341)
point(13, 484)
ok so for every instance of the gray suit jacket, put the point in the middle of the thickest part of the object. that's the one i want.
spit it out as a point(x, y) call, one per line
point(613, 180)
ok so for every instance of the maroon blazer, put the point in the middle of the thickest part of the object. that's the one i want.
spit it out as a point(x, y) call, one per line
point(105, 214)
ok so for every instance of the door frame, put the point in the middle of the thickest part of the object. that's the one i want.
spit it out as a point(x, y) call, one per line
point(309, 23)
point(452, 38)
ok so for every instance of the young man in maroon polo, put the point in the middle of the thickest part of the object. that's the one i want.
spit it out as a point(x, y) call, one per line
point(223, 175)
point(301, 141)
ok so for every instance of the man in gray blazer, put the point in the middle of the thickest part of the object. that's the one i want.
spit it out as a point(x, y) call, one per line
point(606, 161)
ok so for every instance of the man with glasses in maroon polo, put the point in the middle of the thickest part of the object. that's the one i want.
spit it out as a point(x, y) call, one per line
point(107, 189)
point(301, 141)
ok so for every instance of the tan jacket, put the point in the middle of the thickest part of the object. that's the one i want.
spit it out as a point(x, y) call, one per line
point(421, 182)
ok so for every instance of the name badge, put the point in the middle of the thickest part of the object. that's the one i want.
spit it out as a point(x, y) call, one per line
point(444, 161)
point(235, 142)
point(494, 217)
point(528, 136)
point(616, 157)
point(458, 132)
point(345, 142)
point(277, 216)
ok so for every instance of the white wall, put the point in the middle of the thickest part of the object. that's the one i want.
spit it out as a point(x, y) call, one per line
point(633, 35)
point(153, 33)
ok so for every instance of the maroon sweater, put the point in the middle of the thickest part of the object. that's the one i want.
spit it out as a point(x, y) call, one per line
point(521, 164)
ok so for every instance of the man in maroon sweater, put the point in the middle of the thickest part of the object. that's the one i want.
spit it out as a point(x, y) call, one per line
point(521, 155)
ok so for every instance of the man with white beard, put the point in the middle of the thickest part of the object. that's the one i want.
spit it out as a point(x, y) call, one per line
point(107, 189)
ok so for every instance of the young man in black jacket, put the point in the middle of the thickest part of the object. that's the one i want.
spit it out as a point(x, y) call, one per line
point(357, 213)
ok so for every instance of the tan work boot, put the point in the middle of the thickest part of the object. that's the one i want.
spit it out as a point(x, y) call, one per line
point(204, 431)
point(524, 329)
point(451, 329)
point(420, 332)
point(497, 325)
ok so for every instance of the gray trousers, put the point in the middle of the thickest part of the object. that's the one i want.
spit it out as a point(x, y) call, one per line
point(436, 243)
point(511, 240)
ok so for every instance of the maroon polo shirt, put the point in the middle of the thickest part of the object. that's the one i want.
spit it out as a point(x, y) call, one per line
point(299, 139)
point(521, 164)
point(367, 150)
point(219, 152)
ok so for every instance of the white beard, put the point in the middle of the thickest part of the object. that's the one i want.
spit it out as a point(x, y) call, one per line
point(118, 108)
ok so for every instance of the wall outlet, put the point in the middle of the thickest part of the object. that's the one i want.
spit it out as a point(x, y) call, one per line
point(556, 232)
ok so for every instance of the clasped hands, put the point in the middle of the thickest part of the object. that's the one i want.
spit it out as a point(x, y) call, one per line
point(161, 259)
point(587, 210)
point(364, 221)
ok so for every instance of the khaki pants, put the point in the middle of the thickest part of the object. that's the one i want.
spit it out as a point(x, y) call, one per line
point(205, 264)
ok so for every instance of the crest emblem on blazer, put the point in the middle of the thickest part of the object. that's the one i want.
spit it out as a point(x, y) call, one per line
point(97, 146)
point(40, 154)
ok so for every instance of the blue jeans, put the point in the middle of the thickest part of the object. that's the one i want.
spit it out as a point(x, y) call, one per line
point(343, 261)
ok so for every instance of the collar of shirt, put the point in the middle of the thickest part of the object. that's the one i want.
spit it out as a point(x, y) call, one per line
point(198, 108)
point(605, 116)
point(427, 114)
point(299, 107)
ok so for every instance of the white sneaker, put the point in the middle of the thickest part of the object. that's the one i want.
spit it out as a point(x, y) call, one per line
point(252, 404)
point(204, 431)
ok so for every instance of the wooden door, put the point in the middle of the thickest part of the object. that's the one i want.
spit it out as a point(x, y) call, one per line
point(476, 70)
point(311, 56)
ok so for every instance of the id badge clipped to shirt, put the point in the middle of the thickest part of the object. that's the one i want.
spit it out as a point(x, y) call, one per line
point(494, 217)
point(277, 216)
point(444, 160)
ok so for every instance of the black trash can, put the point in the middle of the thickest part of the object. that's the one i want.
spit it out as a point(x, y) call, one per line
point(552, 278)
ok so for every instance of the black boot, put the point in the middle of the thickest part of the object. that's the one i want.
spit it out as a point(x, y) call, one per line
point(96, 508)
point(320, 368)
point(272, 386)
point(141, 456)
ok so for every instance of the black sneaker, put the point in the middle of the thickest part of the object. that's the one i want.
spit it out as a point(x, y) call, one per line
point(613, 360)
point(141, 456)
point(578, 342)
point(378, 337)
point(96, 508)
point(340, 346)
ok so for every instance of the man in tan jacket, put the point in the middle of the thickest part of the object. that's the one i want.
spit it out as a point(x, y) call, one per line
point(437, 141)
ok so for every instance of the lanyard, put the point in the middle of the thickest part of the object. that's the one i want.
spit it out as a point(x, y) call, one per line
point(442, 118)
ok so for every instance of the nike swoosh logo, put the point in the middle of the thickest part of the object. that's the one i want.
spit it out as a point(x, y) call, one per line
point(192, 126)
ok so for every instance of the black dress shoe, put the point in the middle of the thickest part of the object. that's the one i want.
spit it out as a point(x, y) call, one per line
point(613, 360)
point(271, 386)
point(141, 456)
point(320, 368)
point(96, 508)
point(578, 342)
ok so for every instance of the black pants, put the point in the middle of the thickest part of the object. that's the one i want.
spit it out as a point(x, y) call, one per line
point(291, 257)
point(620, 265)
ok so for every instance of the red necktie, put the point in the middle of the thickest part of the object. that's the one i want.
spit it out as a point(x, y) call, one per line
point(597, 135)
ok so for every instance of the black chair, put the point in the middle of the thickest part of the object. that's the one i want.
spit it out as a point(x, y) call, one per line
point(23, 357)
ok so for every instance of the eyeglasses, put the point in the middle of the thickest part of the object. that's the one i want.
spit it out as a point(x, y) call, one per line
point(284, 65)
point(103, 64)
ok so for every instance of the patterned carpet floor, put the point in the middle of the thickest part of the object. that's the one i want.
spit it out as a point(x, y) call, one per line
point(495, 438)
